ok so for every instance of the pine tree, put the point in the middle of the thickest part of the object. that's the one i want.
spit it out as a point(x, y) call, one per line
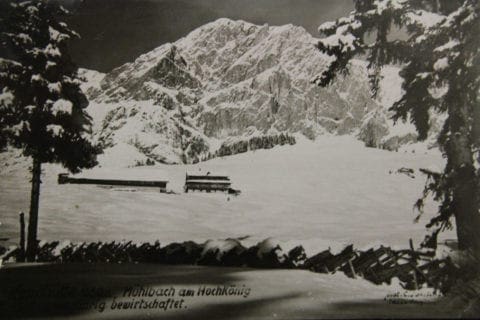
point(41, 103)
point(440, 65)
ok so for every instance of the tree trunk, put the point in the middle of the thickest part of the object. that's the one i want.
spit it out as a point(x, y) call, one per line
point(32, 242)
point(464, 180)
point(465, 207)
point(22, 237)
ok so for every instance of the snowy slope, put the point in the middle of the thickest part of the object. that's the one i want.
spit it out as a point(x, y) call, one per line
point(325, 193)
point(226, 79)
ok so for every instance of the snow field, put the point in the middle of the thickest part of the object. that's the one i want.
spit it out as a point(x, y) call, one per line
point(328, 193)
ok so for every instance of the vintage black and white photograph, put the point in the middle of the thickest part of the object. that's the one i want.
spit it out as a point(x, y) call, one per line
point(239, 159)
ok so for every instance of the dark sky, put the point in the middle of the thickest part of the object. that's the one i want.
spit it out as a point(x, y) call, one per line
point(117, 31)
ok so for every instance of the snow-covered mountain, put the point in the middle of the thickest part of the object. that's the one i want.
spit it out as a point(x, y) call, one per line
point(226, 81)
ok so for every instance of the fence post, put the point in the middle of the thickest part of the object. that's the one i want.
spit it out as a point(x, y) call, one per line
point(414, 256)
point(22, 237)
point(352, 269)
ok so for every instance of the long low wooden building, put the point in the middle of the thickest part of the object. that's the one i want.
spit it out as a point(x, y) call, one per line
point(207, 183)
point(63, 178)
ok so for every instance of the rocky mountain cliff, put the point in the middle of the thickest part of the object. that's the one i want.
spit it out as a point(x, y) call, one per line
point(224, 82)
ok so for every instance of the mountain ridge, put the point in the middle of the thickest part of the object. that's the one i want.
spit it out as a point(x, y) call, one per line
point(226, 80)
